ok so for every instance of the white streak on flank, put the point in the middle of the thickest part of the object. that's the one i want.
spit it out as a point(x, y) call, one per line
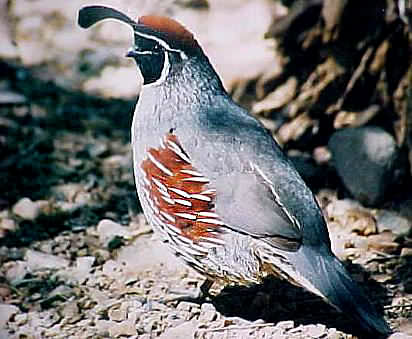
point(183, 202)
point(186, 216)
point(168, 200)
point(209, 191)
point(208, 214)
point(146, 181)
point(151, 204)
point(200, 197)
point(213, 240)
point(159, 165)
point(185, 240)
point(191, 251)
point(212, 230)
point(180, 192)
point(160, 185)
point(164, 194)
point(196, 179)
point(175, 147)
point(211, 221)
point(184, 157)
point(167, 216)
point(162, 144)
point(172, 229)
point(199, 248)
point(178, 150)
point(190, 172)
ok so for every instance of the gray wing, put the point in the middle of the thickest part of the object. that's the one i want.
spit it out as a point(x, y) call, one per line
point(268, 200)
point(246, 202)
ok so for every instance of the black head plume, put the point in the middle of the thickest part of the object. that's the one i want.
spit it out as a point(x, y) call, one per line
point(90, 15)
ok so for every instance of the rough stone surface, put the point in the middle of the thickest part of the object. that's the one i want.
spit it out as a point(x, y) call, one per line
point(391, 221)
point(6, 312)
point(38, 260)
point(26, 209)
point(365, 159)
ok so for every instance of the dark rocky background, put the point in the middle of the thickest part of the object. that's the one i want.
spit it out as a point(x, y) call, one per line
point(331, 81)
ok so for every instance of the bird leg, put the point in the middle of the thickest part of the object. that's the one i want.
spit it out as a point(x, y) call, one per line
point(198, 297)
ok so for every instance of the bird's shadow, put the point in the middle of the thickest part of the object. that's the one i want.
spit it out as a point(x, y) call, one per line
point(275, 300)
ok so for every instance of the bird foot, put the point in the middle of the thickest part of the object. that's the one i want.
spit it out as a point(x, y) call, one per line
point(200, 296)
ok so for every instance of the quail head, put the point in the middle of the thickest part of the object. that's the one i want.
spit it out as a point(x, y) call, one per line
point(214, 184)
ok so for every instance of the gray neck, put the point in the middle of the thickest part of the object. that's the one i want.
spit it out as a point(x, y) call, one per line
point(190, 84)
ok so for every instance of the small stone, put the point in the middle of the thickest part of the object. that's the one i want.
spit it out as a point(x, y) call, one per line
point(116, 314)
point(6, 312)
point(186, 330)
point(68, 191)
point(85, 263)
point(11, 98)
point(124, 328)
point(285, 325)
point(103, 326)
point(185, 306)
point(362, 222)
point(8, 225)
point(108, 230)
point(26, 209)
point(406, 252)
point(38, 260)
point(383, 242)
point(321, 155)
point(97, 150)
point(400, 335)
point(391, 221)
point(315, 331)
point(207, 313)
point(17, 271)
point(20, 319)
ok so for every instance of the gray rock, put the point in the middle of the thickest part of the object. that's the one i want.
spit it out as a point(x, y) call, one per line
point(38, 260)
point(11, 98)
point(184, 331)
point(125, 328)
point(365, 159)
point(391, 221)
point(109, 229)
point(26, 209)
point(400, 335)
point(6, 312)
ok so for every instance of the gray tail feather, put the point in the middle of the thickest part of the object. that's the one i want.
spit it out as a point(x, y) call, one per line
point(332, 281)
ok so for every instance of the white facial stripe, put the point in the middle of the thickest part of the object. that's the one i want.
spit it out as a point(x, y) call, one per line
point(163, 44)
point(166, 66)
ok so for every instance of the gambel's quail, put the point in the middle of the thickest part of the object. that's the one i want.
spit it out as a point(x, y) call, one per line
point(215, 185)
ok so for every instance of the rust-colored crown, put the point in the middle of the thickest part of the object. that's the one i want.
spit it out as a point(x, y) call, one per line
point(171, 28)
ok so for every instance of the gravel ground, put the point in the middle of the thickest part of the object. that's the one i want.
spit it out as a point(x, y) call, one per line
point(77, 259)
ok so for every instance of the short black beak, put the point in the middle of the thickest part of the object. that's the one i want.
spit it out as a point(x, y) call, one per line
point(131, 53)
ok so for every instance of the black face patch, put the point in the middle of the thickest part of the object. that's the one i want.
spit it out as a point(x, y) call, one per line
point(150, 56)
